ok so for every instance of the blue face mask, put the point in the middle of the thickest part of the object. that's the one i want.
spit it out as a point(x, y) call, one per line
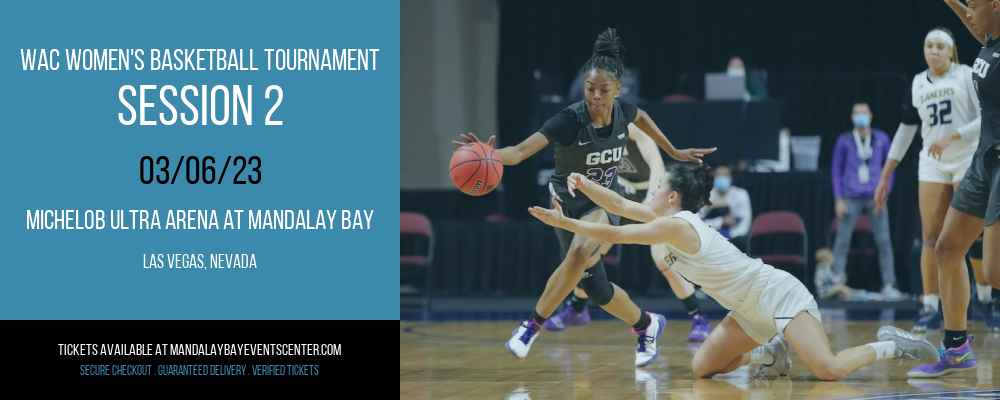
point(722, 183)
point(862, 121)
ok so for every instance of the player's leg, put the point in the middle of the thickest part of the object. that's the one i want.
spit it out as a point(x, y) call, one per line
point(575, 312)
point(684, 290)
point(982, 298)
point(991, 239)
point(577, 250)
point(587, 252)
point(962, 225)
point(806, 336)
point(727, 348)
point(583, 253)
point(933, 201)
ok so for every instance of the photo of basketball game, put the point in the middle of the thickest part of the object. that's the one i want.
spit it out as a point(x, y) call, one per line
point(700, 200)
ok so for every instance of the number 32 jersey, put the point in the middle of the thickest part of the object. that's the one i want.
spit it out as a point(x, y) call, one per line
point(945, 104)
point(593, 152)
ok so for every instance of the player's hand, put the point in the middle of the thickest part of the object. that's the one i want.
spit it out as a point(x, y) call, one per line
point(881, 192)
point(693, 155)
point(575, 181)
point(939, 146)
point(550, 216)
point(472, 139)
point(629, 188)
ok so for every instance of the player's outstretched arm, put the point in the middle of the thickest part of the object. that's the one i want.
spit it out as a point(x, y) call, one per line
point(962, 11)
point(609, 200)
point(511, 155)
point(650, 153)
point(646, 124)
point(658, 231)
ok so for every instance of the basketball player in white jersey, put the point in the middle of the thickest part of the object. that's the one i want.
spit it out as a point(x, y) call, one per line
point(770, 310)
point(943, 102)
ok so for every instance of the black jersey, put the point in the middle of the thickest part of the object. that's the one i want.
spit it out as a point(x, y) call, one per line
point(987, 82)
point(633, 167)
point(594, 153)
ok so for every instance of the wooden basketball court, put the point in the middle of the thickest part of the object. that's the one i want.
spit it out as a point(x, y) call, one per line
point(468, 360)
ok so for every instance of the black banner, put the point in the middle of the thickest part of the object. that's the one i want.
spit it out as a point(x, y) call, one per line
point(299, 352)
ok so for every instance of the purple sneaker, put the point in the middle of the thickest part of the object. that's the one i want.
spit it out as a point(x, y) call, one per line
point(952, 360)
point(567, 318)
point(700, 328)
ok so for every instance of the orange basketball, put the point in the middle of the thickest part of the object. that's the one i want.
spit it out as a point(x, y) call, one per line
point(476, 169)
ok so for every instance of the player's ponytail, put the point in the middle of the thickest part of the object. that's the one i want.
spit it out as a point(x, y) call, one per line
point(706, 181)
point(607, 56)
point(694, 185)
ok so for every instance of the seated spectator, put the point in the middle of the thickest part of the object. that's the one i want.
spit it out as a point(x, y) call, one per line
point(730, 211)
point(830, 286)
point(756, 89)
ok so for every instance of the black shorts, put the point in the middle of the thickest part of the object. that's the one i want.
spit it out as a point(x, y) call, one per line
point(979, 193)
point(566, 237)
point(576, 207)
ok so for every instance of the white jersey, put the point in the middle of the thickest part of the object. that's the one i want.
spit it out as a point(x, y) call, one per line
point(724, 272)
point(945, 104)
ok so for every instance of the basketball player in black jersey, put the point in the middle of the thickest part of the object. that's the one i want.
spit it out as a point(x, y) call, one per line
point(590, 138)
point(641, 164)
point(976, 203)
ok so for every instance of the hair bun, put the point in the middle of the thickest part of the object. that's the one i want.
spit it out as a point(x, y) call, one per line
point(706, 180)
point(608, 44)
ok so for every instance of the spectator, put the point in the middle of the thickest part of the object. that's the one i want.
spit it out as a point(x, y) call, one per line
point(730, 211)
point(756, 89)
point(829, 286)
point(857, 165)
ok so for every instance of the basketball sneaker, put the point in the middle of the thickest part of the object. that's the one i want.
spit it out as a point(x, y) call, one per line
point(648, 351)
point(951, 361)
point(566, 318)
point(524, 336)
point(700, 328)
point(909, 346)
point(778, 348)
point(929, 320)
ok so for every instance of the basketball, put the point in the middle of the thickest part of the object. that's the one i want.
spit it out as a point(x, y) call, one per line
point(476, 169)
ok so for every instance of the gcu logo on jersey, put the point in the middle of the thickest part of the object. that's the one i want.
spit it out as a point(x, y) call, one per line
point(980, 67)
point(604, 157)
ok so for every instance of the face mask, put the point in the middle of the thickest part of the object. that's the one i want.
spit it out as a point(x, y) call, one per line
point(862, 121)
point(722, 183)
point(736, 72)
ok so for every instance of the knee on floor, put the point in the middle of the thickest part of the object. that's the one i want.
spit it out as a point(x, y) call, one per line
point(702, 370)
point(828, 371)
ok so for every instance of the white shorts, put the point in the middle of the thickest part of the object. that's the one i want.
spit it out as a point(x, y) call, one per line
point(782, 299)
point(934, 171)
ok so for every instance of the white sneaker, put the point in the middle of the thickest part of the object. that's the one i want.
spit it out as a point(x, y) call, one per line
point(909, 346)
point(890, 293)
point(524, 335)
point(648, 351)
point(778, 348)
